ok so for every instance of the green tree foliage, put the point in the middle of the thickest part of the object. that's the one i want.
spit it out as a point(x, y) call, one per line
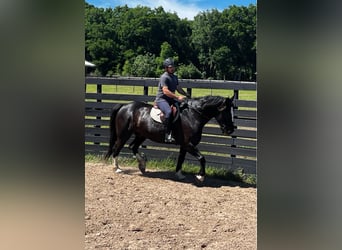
point(130, 41)
point(100, 39)
point(127, 69)
point(166, 51)
point(188, 72)
point(226, 42)
point(242, 42)
point(144, 65)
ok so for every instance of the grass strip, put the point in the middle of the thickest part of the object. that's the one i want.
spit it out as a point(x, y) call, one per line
point(168, 164)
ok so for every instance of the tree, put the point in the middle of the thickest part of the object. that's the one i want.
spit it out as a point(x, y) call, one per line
point(100, 44)
point(223, 59)
point(144, 65)
point(188, 72)
point(241, 30)
point(127, 68)
point(166, 51)
point(206, 37)
point(220, 45)
point(225, 42)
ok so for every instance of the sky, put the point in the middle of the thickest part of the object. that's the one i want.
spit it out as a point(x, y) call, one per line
point(184, 8)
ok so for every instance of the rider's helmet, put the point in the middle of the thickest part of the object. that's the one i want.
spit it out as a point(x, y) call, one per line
point(168, 62)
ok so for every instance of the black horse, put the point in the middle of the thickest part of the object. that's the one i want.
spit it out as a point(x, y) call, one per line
point(134, 118)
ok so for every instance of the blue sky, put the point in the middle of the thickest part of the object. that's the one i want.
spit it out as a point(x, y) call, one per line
point(183, 8)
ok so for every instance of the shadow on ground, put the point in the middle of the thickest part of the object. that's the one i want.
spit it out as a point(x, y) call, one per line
point(191, 179)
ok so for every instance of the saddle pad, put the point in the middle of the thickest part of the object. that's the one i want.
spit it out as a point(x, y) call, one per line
point(155, 114)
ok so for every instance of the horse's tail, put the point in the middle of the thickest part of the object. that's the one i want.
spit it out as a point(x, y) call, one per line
point(112, 129)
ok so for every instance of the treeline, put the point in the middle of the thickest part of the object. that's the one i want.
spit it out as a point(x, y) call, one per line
point(135, 41)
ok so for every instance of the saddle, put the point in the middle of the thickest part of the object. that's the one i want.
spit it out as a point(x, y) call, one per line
point(158, 116)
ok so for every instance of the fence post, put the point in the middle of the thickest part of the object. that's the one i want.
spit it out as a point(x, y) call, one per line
point(98, 91)
point(145, 89)
point(236, 96)
point(189, 91)
point(145, 93)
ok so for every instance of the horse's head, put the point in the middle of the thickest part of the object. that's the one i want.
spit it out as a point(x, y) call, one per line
point(225, 116)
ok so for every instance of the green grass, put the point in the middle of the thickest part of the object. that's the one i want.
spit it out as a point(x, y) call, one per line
point(169, 165)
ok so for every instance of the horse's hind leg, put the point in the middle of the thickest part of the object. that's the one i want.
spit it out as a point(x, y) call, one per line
point(117, 148)
point(119, 143)
point(141, 158)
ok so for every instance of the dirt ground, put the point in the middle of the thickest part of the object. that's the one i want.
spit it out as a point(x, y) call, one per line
point(154, 211)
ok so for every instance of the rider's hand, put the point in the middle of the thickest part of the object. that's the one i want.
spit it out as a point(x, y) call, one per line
point(180, 98)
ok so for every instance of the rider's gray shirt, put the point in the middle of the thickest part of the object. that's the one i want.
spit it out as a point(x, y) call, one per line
point(169, 80)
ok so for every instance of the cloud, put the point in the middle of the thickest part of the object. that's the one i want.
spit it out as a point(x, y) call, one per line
point(183, 10)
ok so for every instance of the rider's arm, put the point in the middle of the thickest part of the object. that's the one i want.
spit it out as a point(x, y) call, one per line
point(181, 91)
point(168, 93)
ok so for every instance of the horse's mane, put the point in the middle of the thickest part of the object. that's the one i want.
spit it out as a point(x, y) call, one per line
point(206, 102)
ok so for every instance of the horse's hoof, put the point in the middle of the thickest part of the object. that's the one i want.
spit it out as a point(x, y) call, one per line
point(200, 178)
point(179, 175)
point(142, 169)
point(118, 170)
point(199, 181)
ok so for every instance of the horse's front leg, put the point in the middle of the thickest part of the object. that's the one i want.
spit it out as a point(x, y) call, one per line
point(196, 153)
point(181, 158)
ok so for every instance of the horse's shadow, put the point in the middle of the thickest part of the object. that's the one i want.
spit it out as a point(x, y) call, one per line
point(191, 179)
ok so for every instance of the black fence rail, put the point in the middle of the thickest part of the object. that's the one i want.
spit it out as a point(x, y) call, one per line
point(235, 151)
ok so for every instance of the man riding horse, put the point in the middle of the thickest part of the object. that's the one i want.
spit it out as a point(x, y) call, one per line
point(166, 96)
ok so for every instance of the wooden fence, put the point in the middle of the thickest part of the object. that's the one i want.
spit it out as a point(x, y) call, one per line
point(235, 151)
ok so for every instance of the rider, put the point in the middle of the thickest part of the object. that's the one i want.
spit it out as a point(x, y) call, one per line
point(166, 96)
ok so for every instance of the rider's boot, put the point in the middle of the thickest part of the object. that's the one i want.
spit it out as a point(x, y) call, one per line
point(168, 131)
